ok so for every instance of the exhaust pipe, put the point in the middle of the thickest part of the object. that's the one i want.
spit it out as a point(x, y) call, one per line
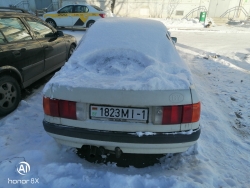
point(92, 152)
point(118, 152)
point(101, 150)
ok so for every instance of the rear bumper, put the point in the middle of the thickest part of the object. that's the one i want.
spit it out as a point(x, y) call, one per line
point(128, 142)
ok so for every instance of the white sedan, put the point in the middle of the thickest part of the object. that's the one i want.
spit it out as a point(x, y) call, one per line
point(75, 16)
point(124, 90)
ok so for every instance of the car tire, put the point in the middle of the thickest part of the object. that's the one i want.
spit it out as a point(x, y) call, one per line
point(90, 23)
point(51, 22)
point(71, 50)
point(10, 94)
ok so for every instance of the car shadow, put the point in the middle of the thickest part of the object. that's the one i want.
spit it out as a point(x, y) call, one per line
point(36, 85)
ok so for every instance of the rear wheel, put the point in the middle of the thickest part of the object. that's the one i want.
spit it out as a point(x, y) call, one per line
point(71, 50)
point(10, 94)
point(51, 22)
point(90, 23)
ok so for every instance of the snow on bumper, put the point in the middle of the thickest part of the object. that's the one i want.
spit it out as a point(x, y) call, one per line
point(128, 142)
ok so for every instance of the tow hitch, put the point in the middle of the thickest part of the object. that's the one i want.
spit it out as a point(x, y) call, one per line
point(94, 151)
point(118, 152)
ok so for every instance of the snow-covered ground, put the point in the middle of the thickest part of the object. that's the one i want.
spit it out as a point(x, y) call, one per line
point(219, 59)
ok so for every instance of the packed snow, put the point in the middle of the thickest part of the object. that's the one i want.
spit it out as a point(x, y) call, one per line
point(111, 59)
point(218, 58)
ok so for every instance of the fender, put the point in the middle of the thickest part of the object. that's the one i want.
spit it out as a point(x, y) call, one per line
point(14, 70)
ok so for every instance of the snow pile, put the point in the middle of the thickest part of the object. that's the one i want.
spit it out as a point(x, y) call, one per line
point(181, 23)
point(140, 134)
point(134, 55)
point(195, 26)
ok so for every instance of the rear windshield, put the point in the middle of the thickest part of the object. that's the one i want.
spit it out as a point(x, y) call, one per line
point(97, 8)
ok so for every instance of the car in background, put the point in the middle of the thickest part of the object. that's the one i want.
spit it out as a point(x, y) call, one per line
point(124, 90)
point(74, 16)
point(29, 49)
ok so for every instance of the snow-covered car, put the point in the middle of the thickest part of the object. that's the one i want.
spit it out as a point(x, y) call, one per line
point(124, 90)
point(75, 16)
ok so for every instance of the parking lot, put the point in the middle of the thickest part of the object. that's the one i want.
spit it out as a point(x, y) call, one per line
point(220, 63)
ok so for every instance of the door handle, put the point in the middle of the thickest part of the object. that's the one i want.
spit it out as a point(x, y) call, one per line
point(47, 47)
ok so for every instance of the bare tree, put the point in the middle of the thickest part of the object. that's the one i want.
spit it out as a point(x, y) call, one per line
point(112, 6)
point(172, 4)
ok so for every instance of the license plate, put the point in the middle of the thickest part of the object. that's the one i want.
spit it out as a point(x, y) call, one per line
point(119, 113)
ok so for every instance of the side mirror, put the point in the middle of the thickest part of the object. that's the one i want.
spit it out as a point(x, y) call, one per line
point(54, 35)
point(174, 39)
point(50, 35)
point(59, 33)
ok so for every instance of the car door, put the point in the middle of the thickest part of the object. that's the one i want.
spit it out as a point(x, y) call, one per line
point(54, 46)
point(64, 16)
point(80, 15)
point(19, 49)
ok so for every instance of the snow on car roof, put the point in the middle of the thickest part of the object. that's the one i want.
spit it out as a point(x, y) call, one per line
point(125, 53)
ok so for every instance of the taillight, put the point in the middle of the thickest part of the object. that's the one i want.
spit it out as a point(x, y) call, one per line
point(102, 15)
point(67, 109)
point(196, 112)
point(177, 114)
point(193, 111)
point(46, 105)
point(59, 108)
point(172, 114)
